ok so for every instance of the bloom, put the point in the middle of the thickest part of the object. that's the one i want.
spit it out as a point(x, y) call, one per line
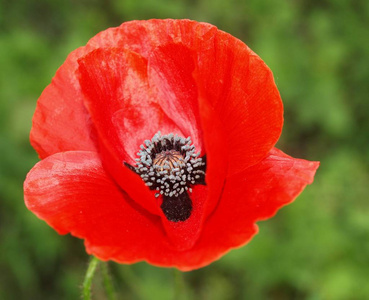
point(156, 140)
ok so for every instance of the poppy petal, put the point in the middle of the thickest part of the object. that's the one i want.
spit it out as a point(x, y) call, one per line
point(255, 194)
point(170, 69)
point(118, 77)
point(72, 193)
point(177, 94)
point(292, 174)
point(61, 122)
point(216, 154)
point(183, 235)
point(241, 90)
point(143, 37)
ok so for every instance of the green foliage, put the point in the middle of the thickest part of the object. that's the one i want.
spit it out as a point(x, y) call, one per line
point(317, 248)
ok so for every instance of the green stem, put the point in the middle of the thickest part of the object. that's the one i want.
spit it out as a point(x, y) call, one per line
point(108, 283)
point(88, 278)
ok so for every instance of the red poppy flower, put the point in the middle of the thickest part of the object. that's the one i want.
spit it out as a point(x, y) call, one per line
point(156, 140)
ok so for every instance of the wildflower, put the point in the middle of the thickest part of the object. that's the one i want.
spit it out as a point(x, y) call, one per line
point(156, 140)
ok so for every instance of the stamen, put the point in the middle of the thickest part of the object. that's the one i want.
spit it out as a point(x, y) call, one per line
point(170, 165)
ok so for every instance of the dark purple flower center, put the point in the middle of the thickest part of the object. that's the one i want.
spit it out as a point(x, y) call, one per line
point(170, 165)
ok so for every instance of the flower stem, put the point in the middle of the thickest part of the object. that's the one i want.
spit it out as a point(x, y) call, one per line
point(88, 278)
point(108, 283)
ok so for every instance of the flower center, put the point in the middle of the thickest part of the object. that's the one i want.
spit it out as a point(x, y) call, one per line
point(170, 165)
point(170, 160)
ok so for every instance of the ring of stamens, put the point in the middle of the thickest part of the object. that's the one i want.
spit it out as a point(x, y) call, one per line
point(170, 165)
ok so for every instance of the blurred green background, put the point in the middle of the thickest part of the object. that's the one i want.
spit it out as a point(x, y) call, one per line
point(317, 248)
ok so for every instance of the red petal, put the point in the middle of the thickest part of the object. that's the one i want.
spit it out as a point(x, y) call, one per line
point(184, 235)
point(118, 77)
point(61, 122)
point(170, 76)
point(60, 107)
point(282, 177)
point(120, 101)
point(216, 154)
point(72, 193)
point(124, 113)
point(144, 36)
point(240, 88)
point(69, 190)
point(255, 194)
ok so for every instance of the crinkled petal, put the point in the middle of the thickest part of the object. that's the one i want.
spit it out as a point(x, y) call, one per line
point(124, 113)
point(69, 191)
point(240, 89)
point(279, 178)
point(144, 36)
point(61, 122)
point(183, 235)
point(216, 154)
point(223, 88)
point(253, 195)
point(226, 82)
point(120, 102)
point(118, 77)
point(170, 77)
point(170, 71)
point(72, 193)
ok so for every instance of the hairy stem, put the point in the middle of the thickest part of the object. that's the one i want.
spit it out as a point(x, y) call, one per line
point(88, 278)
point(108, 283)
